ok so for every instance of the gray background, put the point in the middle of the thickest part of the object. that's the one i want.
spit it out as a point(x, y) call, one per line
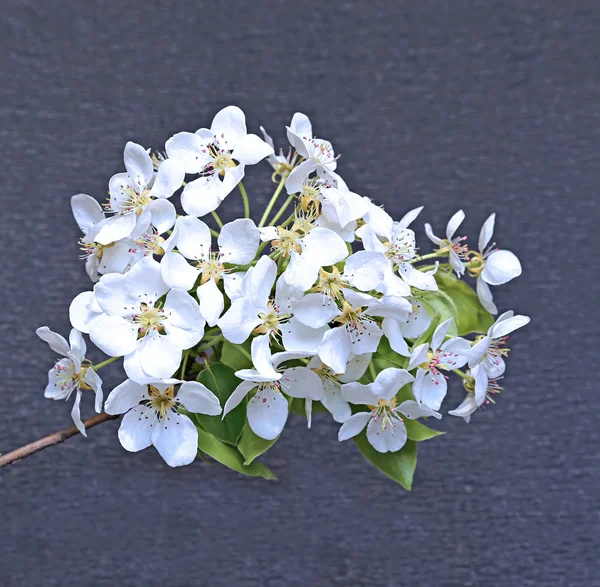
point(488, 106)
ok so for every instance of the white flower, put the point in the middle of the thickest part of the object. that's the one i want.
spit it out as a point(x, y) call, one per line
point(481, 390)
point(399, 248)
point(73, 373)
point(332, 397)
point(253, 309)
point(398, 327)
point(268, 409)
point(486, 357)
point(385, 429)
point(138, 197)
point(491, 266)
point(430, 384)
point(356, 334)
point(238, 243)
point(152, 417)
point(279, 162)
point(116, 257)
point(138, 325)
point(220, 155)
point(453, 246)
point(318, 154)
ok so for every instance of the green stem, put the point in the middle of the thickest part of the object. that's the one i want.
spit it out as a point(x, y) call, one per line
point(245, 198)
point(423, 257)
point(281, 210)
point(211, 342)
point(186, 354)
point(217, 219)
point(215, 233)
point(372, 371)
point(244, 352)
point(462, 374)
point(104, 363)
point(271, 203)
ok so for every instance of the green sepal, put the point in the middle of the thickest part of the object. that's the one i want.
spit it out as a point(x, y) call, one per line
point(230, 457)
point(251, 445)
point(221, 380)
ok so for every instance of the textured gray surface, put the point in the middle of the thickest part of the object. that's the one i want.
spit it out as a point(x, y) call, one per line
point(489, 106)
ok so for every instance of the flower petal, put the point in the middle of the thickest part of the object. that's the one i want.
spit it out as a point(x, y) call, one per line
point(162, 215)
point(487, 230)
point(485, 296)
point(177, 272)
point(239, 393)
point(335, 349)
point(159, 355)
point(211, 301)
point(238, 241)
point(189, 149)
point(315, 310)
point(365, 270)
point(87, 211)
point(454, 223)
point(114, 335)
point(84, 311)
point(55, 341)
point(138, 164)
point(302, 382)
point(202, 196)
point(353, 425)
point(125, 396)
point(388, 437)
point(176, 439)
point(334, 402)
point(508, 325)
point(135, 432)
point(198, 399)
point(500, 267)
point(267, 413)
point(169, 178)
point(229, 125)
point(76, 413)
point(115, 228)
point(251, 149)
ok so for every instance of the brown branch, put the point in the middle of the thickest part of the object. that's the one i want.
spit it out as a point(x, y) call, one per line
point(22, 453)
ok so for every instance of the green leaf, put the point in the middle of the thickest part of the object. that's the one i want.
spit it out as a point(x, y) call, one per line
point(404, 394)
point(297, 406)
point(233, 357)
point(221, 380)
point(388, 357)
point(442, 310)
point(230, 457)
point(419, 432)
point(399, 465)
point(471, 316)
point(252, 446)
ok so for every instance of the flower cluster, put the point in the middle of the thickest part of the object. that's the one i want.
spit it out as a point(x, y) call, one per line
point(224, 329)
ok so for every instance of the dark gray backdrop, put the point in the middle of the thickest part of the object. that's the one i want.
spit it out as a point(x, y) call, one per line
point(488, 106)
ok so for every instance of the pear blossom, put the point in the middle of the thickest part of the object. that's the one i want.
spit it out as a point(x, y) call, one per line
point(238, 243)
point(253, 310)
point(491, 266)
point(281, 164)
point(489, 351)
point(454, 246)
point(268, 409)
point(481, 390)
point(430, 384)
point(72, 373)
point(138, 197)
point(136, 323)
point(318, 153)
point(386, 431)
point(398, 327)
point(117, 257)
point(152, 416)
point(399, 248)
point(219, 155)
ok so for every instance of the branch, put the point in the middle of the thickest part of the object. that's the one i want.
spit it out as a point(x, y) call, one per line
point(22, 453)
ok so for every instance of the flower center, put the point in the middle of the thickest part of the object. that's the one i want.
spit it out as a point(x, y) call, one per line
point(476, 264)
point(136, 202)
point(221, 159)
point(211, 268)
point(149, 319)
point(455, 245)
point(331, 284)
point(288, 241)
point(162, 402)
point(271, 320)
point(385, 413)
point(93, 250)
point(401, 250)
point(150, 243)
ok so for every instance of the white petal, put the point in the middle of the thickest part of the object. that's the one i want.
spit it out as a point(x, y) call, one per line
point(177, 272)
point(334, 401)
point(176, 439)
point(379, 221)
point(233, 176)
point(301, 382)
point(135, 432)
point(78, 348)
point(184, 324)
point(413, 410)
point(433, 390)
point(500, 267)
point(125, 396)
point(115, 228)
point(485, 296)
point(211, 301)
point(454, 353)
point(315, 310)
point(409, 217)
point(487, 230)
point(342, 206)
point(76, 413)
point(112, 295)
point(138, 164)
point(87, 211)
point(114, 335)
point(169, 178)
point(239, 393)
point(233, 283)
point(193, 237)
point(268, 233)
point(239, 321)
point(55, 341)
point(162, 215)
point(267, 413)
point(365, 270)
point(367, 339)
point(259, 281)
point(299, 337)
point(419, 356)
point(198, 399)
point(251, 149)
point(389, 382)
point(454, 223)
point(298, 175)
point(390, 438)
point(190, 150)
point(335, 349)
point(84, 311)
point(261, 358)
point(429, 232)
point(508, 325)
point(202, 196)
point(229, 124)
point(358, 393)
point(302, 271)
point(326, 246)
point(417, 322)
point(466, 408)
point(159, 356)
point(417, 278)
point(481, 384)
point(440, 334)
point(354, 425)
point(300, 129)
point(144, 281)
point(478, 351)
point(238, 241)
point(356, 368)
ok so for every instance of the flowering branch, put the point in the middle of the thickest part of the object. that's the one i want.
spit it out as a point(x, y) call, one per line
point(29, 449)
